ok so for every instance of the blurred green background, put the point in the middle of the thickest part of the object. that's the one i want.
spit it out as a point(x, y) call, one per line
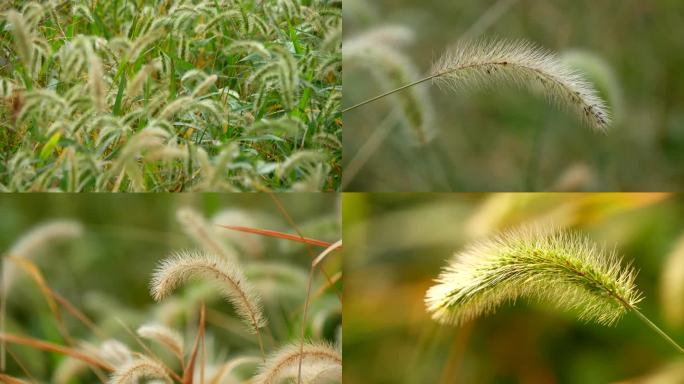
point(106, 271)
point(505, 139)
point(396, 244)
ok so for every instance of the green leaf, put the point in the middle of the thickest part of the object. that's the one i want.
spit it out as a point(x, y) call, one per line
point(49, 147)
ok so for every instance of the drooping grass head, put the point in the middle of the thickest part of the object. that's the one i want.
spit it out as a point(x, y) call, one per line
point(562, 268)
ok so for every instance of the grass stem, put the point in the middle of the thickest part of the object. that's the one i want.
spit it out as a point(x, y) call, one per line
point(361, 104)
point(659, 331)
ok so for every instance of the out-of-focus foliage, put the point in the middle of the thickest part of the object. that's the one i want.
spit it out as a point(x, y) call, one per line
point(397, 244)
point(506, 139)
point(162, 95)
point(105, 271)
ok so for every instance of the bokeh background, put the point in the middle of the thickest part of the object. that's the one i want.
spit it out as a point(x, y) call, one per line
point(396, 244)
point(106, 272)
point(504, 139)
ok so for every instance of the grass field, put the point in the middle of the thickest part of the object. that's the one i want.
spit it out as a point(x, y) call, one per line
point(170, 95)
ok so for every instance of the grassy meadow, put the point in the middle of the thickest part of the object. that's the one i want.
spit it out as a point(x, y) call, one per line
point(166, 95)
point(150, 288)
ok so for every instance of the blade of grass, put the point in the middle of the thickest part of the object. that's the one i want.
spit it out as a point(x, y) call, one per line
point(276, 234)
point(188, 374)
point(50, 347)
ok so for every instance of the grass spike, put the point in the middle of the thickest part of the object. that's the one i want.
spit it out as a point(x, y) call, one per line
point(283, 363)
point(489, 62)
point(560, 267)
point(22, 37)
point(170, 339)
point(182, 266)
point(142, 367)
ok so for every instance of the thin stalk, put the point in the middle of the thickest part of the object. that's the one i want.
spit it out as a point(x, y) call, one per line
point(361, 104)
point(261, 345)
point(659, 331)
point(438, 74)
point(303, 328)
point(314, 265)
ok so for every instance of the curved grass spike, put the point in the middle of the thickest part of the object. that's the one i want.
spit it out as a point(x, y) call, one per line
point(559, 267)
point(142, 367)
point(480, 63)
point(176, 270)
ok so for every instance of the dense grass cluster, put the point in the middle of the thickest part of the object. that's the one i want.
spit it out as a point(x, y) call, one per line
point(165, 95)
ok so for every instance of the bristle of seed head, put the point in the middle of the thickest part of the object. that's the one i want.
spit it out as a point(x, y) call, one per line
point(318, 359)
point(177, 269)
point(563, 268)
point(490, 62)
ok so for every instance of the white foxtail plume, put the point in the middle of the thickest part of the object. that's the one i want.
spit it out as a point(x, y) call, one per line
point(141, 367)
point(95, 83)
point(175, 106)
point(481, 63)
point(177, 269)
point(115, 353)
point(43, 235)
point(224, 371)
point(318, 360)
point(288, 77)
point(135, 85)
point(249, 46)
point(140, 44)
point(23, 41)
point(165, 336)
point(202, 88)
point(490, 62)
point(299, 159)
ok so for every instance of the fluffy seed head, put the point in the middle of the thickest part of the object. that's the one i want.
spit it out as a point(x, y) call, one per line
point(202, 88)
point(177, 269)
point(559, 267)
point(37, 238)
point(163, 335)
point(317, 360)
point(480, 63)
point(22, 37)
point(140, 368)
point(115, 353)
point(97, 91)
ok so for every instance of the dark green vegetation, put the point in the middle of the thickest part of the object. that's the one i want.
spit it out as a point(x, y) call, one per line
point(170, 95)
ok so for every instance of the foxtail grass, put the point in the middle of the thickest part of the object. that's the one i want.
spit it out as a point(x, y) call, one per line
point(562, 268)
point(473, 64)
